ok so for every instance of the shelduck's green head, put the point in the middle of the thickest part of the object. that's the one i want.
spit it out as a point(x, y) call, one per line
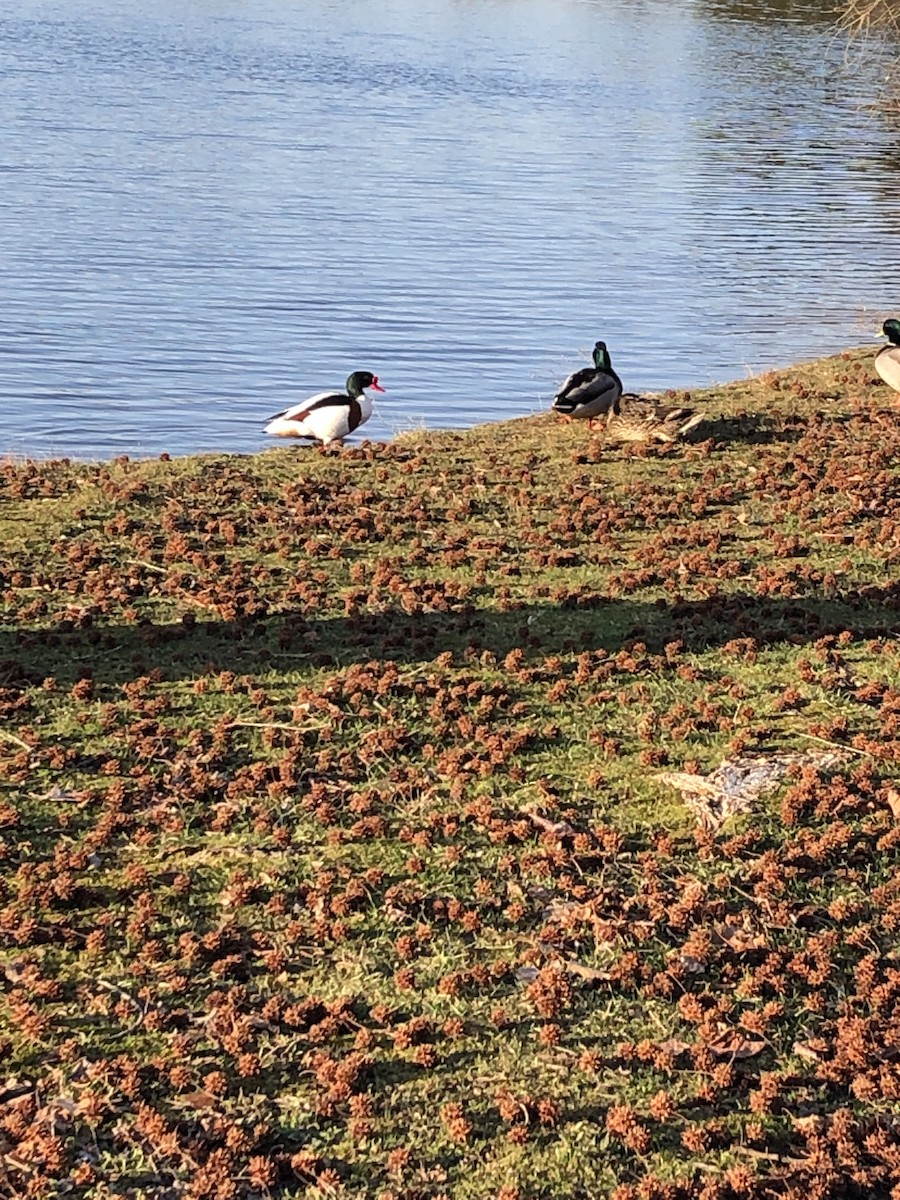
point(360, 380)
point(891, 330)
point(602, 360)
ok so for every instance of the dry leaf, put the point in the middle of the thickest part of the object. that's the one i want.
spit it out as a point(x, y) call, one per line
point(691, 964)
point(810, 1051)
point(891, 797)
point(588, 974)
point(60, 796)
point(732, 1044)
point(674, 1046)
point(558, 910)
point(685, 782)
point(740, 939)
point(641, 930)
point(557, 828)
point(200, 1099)
point(59, 1109)
point(813, 1121)
point(735, 784)
point(537, 892)
point(14, 1089)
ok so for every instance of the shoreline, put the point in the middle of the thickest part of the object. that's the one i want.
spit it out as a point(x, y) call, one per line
point(697, 393)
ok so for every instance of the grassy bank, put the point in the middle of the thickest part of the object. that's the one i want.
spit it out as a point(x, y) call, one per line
point(336, 860)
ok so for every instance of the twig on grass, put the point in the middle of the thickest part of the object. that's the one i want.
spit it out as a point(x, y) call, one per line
point(837, 745)
point(17, 741)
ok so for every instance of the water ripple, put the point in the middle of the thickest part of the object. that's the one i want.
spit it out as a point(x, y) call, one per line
point(214, 212)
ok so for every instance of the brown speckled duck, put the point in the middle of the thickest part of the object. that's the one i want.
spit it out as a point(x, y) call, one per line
point(634, 419)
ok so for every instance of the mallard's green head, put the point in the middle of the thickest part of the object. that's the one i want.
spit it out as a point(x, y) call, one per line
point(891, 330)
point(602, 361)
point(360, 380)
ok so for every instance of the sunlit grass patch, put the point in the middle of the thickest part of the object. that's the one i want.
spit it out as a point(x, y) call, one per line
point(337, 861)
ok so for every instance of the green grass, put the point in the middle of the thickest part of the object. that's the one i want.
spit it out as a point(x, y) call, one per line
point(276, 913)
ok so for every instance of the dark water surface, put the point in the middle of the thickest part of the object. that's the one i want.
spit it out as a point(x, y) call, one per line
point(210, 208)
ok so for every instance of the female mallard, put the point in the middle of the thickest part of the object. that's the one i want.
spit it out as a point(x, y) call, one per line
point(632, 419)
point(592, 391)
point(328, 416)
point(887, 360)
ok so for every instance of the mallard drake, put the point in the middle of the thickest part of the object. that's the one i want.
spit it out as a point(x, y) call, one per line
point(887, 360)
point(634, 419)
point(328, 416)
point(590, 392)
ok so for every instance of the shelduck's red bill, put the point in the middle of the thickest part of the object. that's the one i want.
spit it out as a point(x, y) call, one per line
point(375, 385)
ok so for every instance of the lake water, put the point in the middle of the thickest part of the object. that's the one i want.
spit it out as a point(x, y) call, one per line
point(210, 209)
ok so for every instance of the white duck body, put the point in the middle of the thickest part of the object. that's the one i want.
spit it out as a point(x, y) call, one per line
point(887, 360)
point(328, 416)
point(587, 393)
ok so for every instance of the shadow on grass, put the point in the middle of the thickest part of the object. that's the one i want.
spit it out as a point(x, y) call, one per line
point(298, 640)
point(748, 429)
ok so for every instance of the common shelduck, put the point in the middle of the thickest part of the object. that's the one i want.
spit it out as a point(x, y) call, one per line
point(328, 416)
